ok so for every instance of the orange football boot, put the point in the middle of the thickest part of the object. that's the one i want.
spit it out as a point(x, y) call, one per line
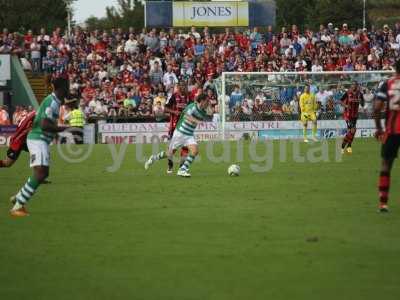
point(22, 212)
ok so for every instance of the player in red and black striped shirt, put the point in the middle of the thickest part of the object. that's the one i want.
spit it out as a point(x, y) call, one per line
point(175, 106)
point(351, 101)
point(18, 141)
point(388, 99)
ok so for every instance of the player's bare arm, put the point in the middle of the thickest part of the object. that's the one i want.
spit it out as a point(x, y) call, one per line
point(50, 126)
point(171, 111)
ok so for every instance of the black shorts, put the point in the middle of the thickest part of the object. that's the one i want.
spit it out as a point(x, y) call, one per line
point(351, 124)
point(13, 155)
point(391, 147)
point(77, 132)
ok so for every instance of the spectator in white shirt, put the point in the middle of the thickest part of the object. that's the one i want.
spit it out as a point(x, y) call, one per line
point(125, 66)
point(290, 51)
point(100, 109)
point(300, 64)
point(316, 67)
point(368, 96)
point(102, 74)
point(325, 37)
point(323, 96)
point(94, 56)
point(43, 37)
point(169, 78)
point(35, 55)
point(195, 33)
point(131, 45)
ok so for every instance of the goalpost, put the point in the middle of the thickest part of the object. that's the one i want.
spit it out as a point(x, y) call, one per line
point(252, 101)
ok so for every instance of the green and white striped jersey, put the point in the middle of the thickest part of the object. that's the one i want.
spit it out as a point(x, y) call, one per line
point(191, 116)
point(49, 109)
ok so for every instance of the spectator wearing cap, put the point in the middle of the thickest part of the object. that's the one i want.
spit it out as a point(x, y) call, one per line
point(330, 28)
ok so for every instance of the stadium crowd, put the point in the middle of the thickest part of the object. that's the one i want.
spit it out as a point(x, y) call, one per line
point(126, 74)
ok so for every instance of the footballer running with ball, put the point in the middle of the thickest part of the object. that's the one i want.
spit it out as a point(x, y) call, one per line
point(183, 136)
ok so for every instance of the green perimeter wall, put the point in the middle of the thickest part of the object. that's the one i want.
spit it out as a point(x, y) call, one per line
point(22, 93)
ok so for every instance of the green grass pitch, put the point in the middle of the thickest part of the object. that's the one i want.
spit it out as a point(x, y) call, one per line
point(300, 231)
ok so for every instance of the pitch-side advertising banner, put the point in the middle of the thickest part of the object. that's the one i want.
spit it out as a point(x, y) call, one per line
point(222, 13)
point(5, 133)
point(133, 133)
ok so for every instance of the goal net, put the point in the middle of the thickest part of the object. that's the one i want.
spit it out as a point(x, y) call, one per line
point(266, 105)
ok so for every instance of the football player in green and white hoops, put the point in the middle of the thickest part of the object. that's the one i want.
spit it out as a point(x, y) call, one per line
point(183, 136)
point(44, 130)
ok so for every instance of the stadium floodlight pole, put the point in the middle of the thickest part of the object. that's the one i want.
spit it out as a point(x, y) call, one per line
point(364, 14)
point(222, 107)
point(68, 4)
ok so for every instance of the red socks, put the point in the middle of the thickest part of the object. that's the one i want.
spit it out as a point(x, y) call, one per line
point(384, 186)
point(184, 152)
point(348, 139)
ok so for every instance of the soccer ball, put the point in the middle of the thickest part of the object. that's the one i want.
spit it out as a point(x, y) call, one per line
point(234, 170)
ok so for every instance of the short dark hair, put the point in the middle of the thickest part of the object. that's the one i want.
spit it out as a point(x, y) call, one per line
point(201, 97)
point(397, 66)
point(61, 83)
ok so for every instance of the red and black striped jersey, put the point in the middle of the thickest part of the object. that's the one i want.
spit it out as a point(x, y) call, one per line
point(389, 91)
point(178, 102)
point(24, 127)
point(352, 100)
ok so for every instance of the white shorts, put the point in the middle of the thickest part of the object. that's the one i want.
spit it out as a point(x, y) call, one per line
point(180, 140)
point(39, 153)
